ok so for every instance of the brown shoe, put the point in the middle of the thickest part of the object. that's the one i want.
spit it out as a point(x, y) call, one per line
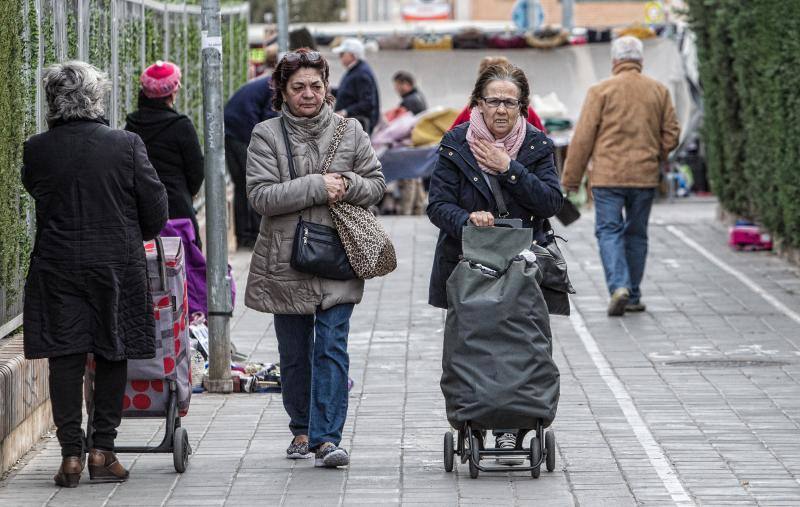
point(104, 467)
point(69, 474)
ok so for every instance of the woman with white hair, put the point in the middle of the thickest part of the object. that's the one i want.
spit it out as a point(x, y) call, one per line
point(97, 197)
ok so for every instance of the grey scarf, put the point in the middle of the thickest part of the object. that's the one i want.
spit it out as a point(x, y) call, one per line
point(309, 133)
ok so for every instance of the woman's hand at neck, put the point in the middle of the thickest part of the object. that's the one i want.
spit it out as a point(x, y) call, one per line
point(491, 157)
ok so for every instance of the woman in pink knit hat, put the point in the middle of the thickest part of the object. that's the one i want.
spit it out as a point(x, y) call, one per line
point(170, 138)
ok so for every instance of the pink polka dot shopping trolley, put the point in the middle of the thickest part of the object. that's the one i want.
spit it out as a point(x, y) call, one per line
point(160, 387)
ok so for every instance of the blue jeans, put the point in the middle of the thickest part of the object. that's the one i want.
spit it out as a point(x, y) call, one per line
point(314, 366)
point(623, 239)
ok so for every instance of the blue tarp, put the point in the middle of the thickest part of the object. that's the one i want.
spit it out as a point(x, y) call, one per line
point(408, 163)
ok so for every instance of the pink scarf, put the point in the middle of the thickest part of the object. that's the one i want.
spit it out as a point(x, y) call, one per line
point(479, 130)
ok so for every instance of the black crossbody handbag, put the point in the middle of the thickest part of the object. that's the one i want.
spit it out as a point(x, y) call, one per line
point(317, 248)
point(555, 283)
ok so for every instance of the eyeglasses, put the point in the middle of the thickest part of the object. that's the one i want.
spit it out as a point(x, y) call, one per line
point(494, 102)
point(294, 56)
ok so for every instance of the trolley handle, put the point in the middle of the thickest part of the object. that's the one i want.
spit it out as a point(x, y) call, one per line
point(162, 263)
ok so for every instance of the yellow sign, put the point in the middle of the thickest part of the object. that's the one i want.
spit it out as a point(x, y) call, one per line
point(654, 13)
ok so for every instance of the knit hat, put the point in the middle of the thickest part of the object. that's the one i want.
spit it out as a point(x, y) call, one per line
point(160, 80)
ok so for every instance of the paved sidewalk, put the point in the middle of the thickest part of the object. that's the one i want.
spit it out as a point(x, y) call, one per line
point(640, 420)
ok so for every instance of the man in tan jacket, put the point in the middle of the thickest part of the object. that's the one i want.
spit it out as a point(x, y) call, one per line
point(626, 130)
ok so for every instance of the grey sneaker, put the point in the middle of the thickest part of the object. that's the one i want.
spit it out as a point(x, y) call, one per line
point(298, 450)
point(619, 300)
point(635, 307)
point(508, 441)
point(329, 455)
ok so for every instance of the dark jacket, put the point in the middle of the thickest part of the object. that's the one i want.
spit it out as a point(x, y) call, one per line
point(249, 106)
point(358, 94)
point(530, 189)
point(414, 101)
point(97, 197)
point(174, 151)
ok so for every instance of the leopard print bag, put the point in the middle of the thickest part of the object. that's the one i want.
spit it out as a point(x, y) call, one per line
point(368, 246)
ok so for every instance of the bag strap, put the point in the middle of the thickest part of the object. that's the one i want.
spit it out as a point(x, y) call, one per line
point(292, 173)
point(497, 192)
point(337, 138)
point(547, 228)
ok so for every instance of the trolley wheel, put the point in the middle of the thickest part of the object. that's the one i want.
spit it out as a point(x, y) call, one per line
point(550, 450)
point(536, 457)
point(180, 449)
point(473, 462)
point(449, 452)
point(462, 446)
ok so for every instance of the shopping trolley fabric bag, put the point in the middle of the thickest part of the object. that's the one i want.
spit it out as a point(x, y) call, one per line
point(497, 365)
point(147, 391)
point(147, 387)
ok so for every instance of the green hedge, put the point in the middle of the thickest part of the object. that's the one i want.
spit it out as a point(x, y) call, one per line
point(24, 29)
point(749, 54)
point(17, 101)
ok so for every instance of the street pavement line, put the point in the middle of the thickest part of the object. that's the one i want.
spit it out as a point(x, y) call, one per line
point(769, 298)
point(654, 451)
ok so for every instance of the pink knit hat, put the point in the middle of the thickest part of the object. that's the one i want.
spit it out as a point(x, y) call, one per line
point(160, 79)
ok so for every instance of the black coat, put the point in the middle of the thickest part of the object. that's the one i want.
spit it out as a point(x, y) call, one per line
point(531, 191)
point(97, 197)
point(249, 106)
point(358, 95)
point(174, 151)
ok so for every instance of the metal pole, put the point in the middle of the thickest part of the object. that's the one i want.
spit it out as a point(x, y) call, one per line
point(114, 71)
point(219, 293)
point(83, 30)
point(60, 30)
point(40, 123)
point(283, 25)
point(567, 9)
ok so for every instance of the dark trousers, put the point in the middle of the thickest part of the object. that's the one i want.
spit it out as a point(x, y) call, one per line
point(66, 396)
point(246, 221)
point(314, 366)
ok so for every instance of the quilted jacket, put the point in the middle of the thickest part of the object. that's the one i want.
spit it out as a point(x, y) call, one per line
point(273, 286)
point(97, 197)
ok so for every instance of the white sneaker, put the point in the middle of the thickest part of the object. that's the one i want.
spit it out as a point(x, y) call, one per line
point(329, 455)
point(508, 441)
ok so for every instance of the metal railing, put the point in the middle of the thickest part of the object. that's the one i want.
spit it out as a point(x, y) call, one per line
point(122, 37)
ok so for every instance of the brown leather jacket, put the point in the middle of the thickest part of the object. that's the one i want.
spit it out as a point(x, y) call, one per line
point(626, 129)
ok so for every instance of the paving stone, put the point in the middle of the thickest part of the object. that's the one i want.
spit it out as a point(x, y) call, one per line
point(729, 433)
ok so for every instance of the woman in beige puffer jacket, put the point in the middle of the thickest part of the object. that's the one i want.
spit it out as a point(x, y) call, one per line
point(312, 314)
